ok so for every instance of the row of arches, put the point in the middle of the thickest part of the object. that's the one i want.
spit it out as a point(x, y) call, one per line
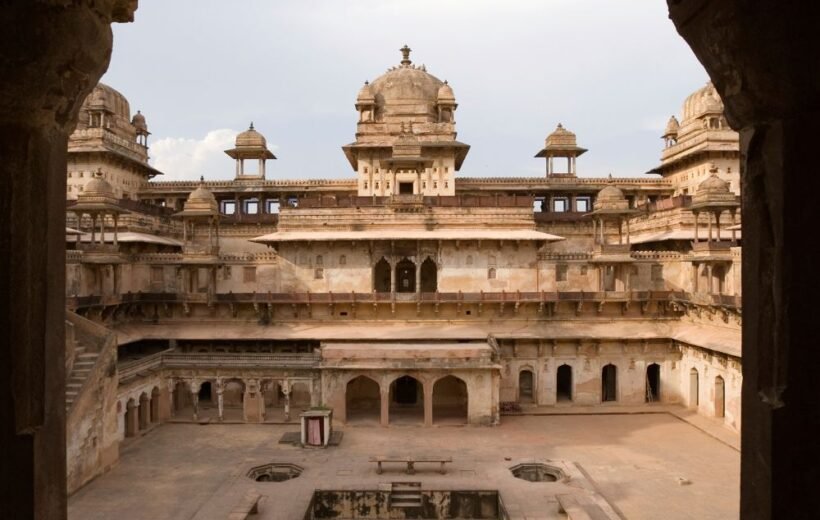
point(565, 390)
point(406, 276)
point(404, 401)
point(202, 400)
point(141, 413)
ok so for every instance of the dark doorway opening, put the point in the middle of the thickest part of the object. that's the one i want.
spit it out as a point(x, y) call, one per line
point(720, 397)
point(405, 390)
point(429, 276)
point(406, 401)
point(405, 276)
point(609, 383)
point(381, 276)
point(653, 383)
point(693, 388)
point(525, 386)
point(564, 383)
point(205, 392)
point(405, 188)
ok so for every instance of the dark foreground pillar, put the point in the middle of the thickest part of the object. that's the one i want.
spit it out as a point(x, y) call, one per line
point(52, 53)
point(762, 57)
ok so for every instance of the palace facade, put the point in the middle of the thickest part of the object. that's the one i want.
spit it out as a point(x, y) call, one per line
point(407, 293)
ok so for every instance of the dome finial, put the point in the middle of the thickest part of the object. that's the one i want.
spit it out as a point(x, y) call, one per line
point(251, 127)
point(202, 179)
point(99, 173)
point(405, 53)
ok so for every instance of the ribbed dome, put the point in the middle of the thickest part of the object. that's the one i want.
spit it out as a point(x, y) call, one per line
point(108, 99)
point(610, 193)
point(250, 138)
point(201, 194)
point(97, 187)
point(366, 94)
point(672, 127)
point(713, 185)
point(406, 85)
point(445, 93)
point(702, 100)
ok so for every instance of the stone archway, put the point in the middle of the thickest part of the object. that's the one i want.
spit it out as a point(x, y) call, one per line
point(450, 401)
point(429, 276)
point(131, 418)
point(144, 411)
point(362, 401)
point(381, 276)
point(563, 387)
point(406, 276)
point(653, 383)
point(406, 401)
point(526, 386)
point(720, 397)
point(694, 395)
point(609, 383)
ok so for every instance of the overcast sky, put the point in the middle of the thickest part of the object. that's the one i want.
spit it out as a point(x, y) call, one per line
point(201, 70)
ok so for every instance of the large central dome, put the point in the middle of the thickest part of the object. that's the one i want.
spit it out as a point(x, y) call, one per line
point(405, 90)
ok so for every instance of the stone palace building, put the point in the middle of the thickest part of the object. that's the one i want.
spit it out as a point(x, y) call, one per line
point(405, 293)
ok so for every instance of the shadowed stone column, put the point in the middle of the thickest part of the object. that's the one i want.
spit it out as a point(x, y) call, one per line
point(384, 415)
point(254, 402)
point(428, 403)
point(52, 53)
point(762, 59)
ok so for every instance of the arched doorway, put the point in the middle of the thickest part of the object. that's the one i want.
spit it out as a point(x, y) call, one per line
point(362, 400)
point(406, 276)
point(381, 276)
point(450, 401)
point(720, 397)
point(429, 276)
point(563, 388)
point(233, 394)
point(406, 401)
point(693, 388)
point(609, 383)
point(653, 383)
point(525, 386)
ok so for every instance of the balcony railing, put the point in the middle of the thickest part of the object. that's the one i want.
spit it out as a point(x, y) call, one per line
point(328, 298)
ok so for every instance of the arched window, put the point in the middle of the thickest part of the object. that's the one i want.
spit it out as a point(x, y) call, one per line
point(491, 273)
point(342, 260)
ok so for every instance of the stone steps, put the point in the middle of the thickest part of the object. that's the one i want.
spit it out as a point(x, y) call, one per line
point(83, 365)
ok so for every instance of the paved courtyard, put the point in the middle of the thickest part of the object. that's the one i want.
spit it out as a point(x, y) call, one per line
point(188, 471)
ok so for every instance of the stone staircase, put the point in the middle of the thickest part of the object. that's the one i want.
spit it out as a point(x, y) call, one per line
point(84, 361)
point(405, 495)
point(85, 341)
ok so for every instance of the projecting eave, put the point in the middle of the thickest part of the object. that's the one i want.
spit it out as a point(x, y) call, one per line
point(407, 234)
point(554, 151)
point(350, 150)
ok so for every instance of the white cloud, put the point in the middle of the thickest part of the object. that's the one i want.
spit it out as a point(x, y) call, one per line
point(181, 158)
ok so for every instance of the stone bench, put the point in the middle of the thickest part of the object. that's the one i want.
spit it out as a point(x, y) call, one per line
point(411, 462)
point(249, 505)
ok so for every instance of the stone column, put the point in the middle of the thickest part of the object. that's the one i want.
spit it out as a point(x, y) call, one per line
point(286, 393)
point(384, 418)
point(392, 278)
point(194, 385)
point(774, 106)
point(145, 413)
point(131, 419)
point(220, 399)
point(428, 402)
point(166, 397)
